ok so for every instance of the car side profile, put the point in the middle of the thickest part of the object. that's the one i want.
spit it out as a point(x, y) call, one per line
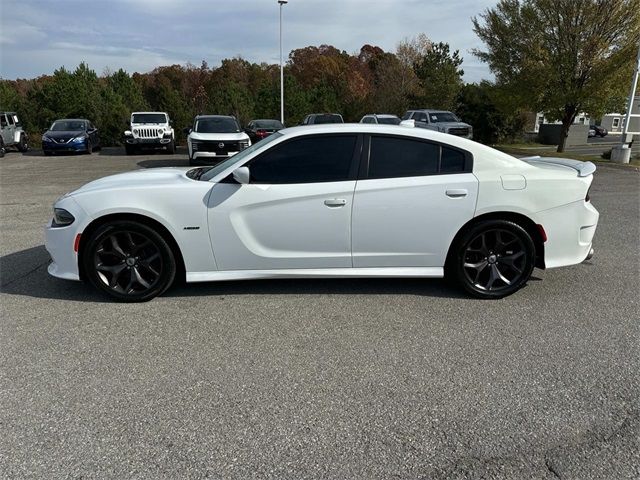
point(330, 201)
point(70, 135)
point(11, 133)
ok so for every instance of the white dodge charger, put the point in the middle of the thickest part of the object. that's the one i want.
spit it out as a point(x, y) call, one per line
point(330, 201)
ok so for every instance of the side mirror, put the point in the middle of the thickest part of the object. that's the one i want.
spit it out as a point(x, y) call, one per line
point(242, 175)
point(186, 131)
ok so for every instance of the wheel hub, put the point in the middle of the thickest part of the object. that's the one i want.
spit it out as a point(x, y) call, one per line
point(130, 261)
point(492, 258)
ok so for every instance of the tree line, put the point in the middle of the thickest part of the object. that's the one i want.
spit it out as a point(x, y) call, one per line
point(559, 57)
point(419, 74)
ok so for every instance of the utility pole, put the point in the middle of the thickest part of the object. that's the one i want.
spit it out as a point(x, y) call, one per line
point(282, 3)
point(622, 152)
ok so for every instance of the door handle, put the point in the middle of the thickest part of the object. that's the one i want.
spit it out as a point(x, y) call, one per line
point(335, 202)
point(457, 193)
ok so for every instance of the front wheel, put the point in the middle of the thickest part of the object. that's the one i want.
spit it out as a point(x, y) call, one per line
point(129, 261)
point(89, 147)
point(171, 148)
point(493, 259)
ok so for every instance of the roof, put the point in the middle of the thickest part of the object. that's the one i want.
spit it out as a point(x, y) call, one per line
point(153, 113)
point(428, 110)
point(215, 116)
point(381, 115)
point(71, 120)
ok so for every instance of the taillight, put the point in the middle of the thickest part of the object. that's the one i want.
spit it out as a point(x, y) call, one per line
point(261, 133)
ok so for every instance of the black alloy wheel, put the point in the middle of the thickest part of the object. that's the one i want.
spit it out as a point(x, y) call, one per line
point(494, 259)
point(129, 261)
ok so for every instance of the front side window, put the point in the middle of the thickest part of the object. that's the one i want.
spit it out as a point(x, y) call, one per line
point(3, 121)
point(10, 119)
point(312, 159)
point(393, 157)
point(368, 120)
point(420, 117)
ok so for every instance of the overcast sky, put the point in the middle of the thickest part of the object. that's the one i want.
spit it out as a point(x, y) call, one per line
point(38, 36)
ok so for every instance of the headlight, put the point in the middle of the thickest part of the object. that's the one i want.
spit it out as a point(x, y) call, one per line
point(61, 218)
point(136, 131)
point(46, 139)
point(80, 138)
point(160, 130)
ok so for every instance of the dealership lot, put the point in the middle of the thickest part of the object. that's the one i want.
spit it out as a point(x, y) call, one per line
point(315, 378)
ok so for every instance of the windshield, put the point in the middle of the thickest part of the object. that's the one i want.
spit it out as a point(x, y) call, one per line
point(328, 118)
point(209, 174)
point(442, 117)
point(67, 125)
point(268, 124)
point(389, 120)
point(149, 118)
point(216, 125)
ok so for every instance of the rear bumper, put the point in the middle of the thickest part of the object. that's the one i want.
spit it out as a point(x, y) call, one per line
point(570, 230)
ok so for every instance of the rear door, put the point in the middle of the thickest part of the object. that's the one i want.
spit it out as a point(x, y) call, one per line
point(296, 210)
point(411, 200)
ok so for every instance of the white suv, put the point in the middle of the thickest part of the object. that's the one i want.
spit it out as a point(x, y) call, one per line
point(149, 130)
point(214, 138)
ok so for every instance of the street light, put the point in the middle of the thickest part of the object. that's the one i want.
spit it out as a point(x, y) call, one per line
point(281, 2)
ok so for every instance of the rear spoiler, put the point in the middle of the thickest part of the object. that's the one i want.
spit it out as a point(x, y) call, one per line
point(584, 169)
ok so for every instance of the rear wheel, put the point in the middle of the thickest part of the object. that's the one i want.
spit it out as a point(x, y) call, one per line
point(493, 259)
point(23, 144)
point(129, 261)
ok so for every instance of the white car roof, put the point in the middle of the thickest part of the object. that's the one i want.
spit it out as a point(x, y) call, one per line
point(160, 113)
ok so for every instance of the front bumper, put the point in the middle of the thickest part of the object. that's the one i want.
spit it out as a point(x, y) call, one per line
point(148, 142)
point(59, 243)
point(64, 147)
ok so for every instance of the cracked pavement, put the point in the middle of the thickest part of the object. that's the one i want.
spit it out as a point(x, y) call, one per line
point(316, 378)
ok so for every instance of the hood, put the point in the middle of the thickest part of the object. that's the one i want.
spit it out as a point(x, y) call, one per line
point(219, 136)
point(150, 177)
point(64, 133)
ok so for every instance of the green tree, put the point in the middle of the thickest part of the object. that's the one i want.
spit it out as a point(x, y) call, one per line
point(440, 77)
point(561, 56)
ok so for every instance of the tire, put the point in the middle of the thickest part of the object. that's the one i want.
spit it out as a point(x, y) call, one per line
point(47, 153)
point(89, 148)
point(129, 261)
point(23, 144)
point(1, 148)
point(492, 259)
point(130, 149)
point(171, 148)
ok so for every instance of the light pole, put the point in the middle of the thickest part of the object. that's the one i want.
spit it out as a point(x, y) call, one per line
point(282, 3)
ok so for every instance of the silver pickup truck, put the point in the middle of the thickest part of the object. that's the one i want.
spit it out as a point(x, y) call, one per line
point(440, 121)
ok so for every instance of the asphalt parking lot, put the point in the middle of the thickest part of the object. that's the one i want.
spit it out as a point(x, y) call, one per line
point(316, 378)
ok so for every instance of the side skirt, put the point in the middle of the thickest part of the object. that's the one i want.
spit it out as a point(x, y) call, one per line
point(386, 272)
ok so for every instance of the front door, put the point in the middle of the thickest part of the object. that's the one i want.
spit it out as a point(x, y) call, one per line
point(415, 197)
point(294, 213)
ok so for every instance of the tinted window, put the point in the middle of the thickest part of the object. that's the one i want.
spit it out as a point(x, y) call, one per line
point(389, 120)
point(443, 117)
point(452, 161)
point(368, 120)
point(407, 116)
point(216, 125)
point(398, 157)
point(272, 124)
point(306, 160)
point(327, 118)
point(148, 118)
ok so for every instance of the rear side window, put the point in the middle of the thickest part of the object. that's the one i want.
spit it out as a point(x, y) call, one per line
point(452, 161)
point(395, 157)
point(313, 159)
point(398, 157)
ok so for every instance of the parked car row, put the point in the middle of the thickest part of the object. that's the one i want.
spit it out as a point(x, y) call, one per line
point(211, 138)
